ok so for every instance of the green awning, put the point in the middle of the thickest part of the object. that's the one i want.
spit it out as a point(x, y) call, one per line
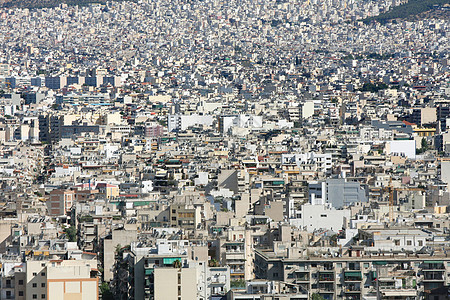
point(170, 260)
point(277, 182)
point(355, 274)
point(433, 262)
point(141, 203)
point(148, 271)
point(379, 263)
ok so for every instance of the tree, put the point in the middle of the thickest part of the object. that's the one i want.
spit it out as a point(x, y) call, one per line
point(238, 283)
point(176, 264)
point(213, 263)
point(424, 144)
point(317, 297)
point(71, 233)
point(105, 291)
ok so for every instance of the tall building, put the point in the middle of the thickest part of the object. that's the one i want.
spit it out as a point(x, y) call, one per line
point(337, 192)
point(175, 283)
point(60, 202)
point(67, 279)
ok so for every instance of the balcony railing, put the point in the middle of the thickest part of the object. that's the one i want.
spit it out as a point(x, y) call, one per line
point(352, 288)
point(326, 278)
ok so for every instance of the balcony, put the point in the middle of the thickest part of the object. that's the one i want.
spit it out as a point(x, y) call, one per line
point(352, 288)
point(326, 276)
point(352, 297)
point(326, 267)
point(350, 276)
point(433, 276)
point(237, 272)
point(433, 265)
point(235, 251)
point(217, 282)
point(301, 276)
point(326, 288)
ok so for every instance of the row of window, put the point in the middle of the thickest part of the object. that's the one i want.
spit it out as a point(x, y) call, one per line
point(20, 294)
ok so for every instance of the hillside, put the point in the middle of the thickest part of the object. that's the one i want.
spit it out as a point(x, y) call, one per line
point(45, 3)
point(410, 9)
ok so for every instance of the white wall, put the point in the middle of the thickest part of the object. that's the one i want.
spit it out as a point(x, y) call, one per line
point(408, 148)
point(320, 217)
point(445, 172)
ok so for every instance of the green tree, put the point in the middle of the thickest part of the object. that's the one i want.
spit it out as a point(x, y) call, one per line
point(424, 144)
point(71, 233)
point(238, 283)
point(177, 264)
point(105, 291)
point(213, 263)
point(317, 297)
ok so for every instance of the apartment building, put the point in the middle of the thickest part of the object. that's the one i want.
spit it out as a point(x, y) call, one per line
point(355, 275)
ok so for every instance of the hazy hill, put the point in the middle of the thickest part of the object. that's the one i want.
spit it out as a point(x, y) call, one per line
point(407, 10)
point(45, 3)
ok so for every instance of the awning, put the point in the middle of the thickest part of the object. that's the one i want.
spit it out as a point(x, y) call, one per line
point(433, 262)
point(148, 271)
point(170, 260)
point(403, 293)
point(379, 263)
point(233, 243)
point(355, 274)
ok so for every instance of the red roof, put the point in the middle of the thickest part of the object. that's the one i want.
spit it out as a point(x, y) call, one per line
point(408, 123)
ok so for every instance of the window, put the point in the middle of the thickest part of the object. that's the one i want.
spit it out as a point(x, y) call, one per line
point(43, 274)
point(366, 265)
point(397, 242)
point(42, 296)
point(339, 265)
point(323, 216)
point(408, 243)
point(20, 282)
point(275, 275)
point(34, 285)
point(43, 284)
point(21, 293)
point(34, 274)
point(420, 243)
point(34, 296)
point(43, 265)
